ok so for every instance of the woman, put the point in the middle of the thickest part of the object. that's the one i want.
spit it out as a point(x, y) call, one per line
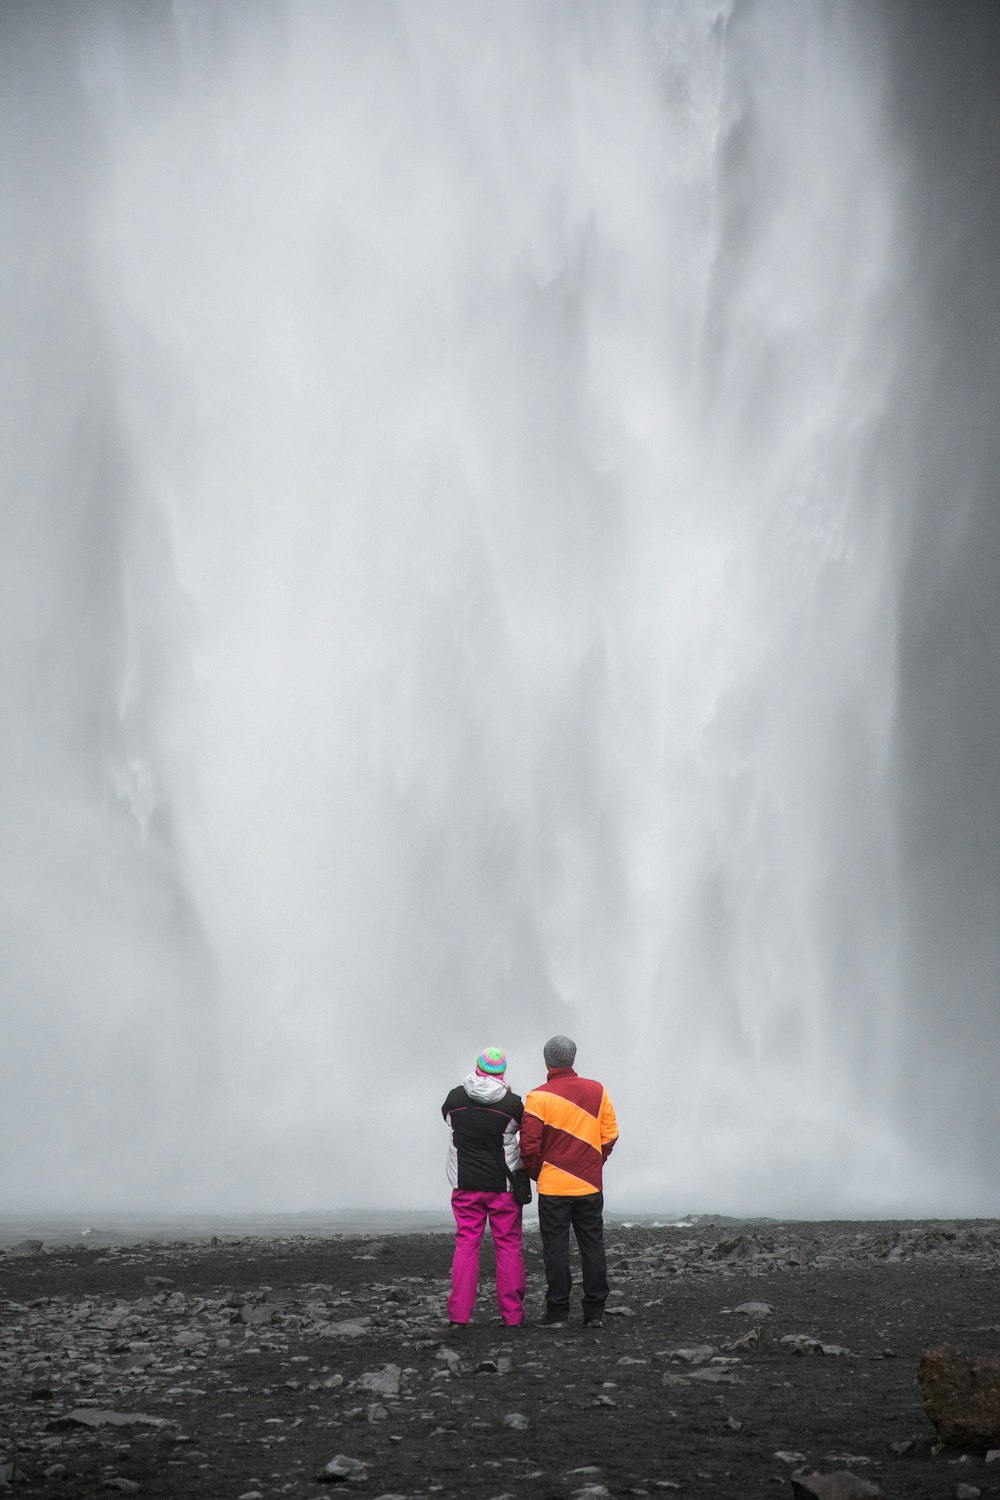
point(484, 1117)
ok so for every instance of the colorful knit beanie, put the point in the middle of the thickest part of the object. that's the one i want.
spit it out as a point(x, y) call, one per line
point(491, 1062)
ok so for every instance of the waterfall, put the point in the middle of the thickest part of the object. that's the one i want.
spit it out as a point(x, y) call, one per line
point(497, 521)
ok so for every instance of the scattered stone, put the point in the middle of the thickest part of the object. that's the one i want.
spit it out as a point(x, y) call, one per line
point(256, 1314)
point(516, 1420)
point(384, 1382)
point(703, 1376)
point(755, 1338)
point(967, 1492)
point(961, 1395)
point(343, 1470)
point(753, 1309)
point(690, 1354)
point(805, 1343)
point(27, 1247)
point(92, 1416)
point(189, 1338)
point(841, 1485)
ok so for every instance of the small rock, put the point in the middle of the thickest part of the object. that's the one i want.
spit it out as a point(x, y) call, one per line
point(841, 1485)
point(967, 1492)
point(704, 1376)
point(341, 1469)
point(516, 1420)
point(27, 1247)
point(123, 1486)
point(754, 1338)
point(755, 1309)
point(384, 1382)
point(91, 1416)
point(256, 1314)
point(691, 1354)
point(349, 1328)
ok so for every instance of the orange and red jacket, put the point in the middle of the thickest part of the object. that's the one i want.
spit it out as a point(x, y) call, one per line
point(567, 1134)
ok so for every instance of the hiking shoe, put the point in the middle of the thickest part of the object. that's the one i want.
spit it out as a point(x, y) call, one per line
point(548, 1322)
point(593, 1322)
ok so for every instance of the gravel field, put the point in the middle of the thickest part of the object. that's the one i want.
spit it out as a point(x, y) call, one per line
point(735, 1356)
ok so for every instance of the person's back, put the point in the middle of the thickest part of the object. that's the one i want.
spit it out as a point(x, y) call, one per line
point(568, 1133)
point(483, 1116)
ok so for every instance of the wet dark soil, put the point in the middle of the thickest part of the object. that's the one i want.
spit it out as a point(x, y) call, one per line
point(257, 1362)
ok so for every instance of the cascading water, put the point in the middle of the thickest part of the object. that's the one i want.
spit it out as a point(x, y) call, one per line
point(466, 574)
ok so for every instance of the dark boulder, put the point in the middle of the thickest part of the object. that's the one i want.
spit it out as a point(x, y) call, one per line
point(961, 1394)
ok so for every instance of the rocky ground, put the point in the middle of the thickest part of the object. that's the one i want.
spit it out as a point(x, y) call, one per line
point(734, 1356)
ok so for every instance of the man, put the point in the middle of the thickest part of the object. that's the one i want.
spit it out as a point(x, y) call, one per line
point(568, 1133)
point(483, 1116)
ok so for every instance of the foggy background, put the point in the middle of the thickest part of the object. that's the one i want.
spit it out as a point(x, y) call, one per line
point(499, 535)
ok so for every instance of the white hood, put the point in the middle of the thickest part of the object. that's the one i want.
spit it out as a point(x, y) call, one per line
point(486, 1090)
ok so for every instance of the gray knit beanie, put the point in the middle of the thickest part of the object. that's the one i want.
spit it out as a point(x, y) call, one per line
point(560, 1052)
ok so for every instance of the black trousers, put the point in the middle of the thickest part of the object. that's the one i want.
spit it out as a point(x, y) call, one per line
point(586, 1215)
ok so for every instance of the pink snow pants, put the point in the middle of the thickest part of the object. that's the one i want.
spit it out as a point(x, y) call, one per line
point(471, 1211)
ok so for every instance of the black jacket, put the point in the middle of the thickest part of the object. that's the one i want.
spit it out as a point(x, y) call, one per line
point(484, 1117)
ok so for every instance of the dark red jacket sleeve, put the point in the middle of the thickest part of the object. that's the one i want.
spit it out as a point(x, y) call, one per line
point(530, 1143)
